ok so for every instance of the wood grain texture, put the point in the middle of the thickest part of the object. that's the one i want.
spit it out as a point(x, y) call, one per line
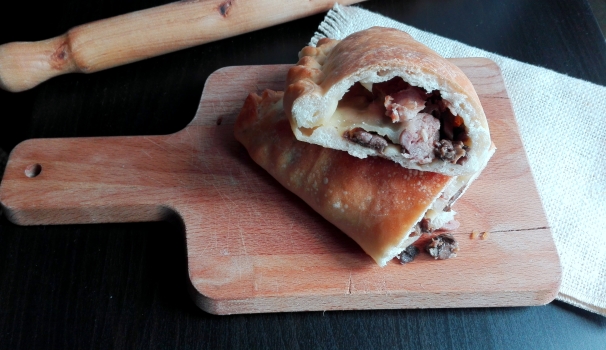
point(254, 247)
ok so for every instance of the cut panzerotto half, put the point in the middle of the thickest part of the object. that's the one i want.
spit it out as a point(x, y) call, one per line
point(379, 92)
point(379, 204)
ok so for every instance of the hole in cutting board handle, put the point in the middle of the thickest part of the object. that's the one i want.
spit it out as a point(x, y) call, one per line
point(33, 170)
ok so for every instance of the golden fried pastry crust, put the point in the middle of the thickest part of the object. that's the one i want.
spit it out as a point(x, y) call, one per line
point(374, 201)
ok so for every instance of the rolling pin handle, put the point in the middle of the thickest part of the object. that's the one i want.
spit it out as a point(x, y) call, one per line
point(143, 34)
point(24, 65)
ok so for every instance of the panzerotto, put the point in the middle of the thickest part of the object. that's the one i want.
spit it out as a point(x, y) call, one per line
point(379, 204)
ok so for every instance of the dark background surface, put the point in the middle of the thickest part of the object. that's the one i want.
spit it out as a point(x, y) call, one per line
point(125, 285)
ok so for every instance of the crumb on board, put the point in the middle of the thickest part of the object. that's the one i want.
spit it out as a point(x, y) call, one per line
point(474, 234)
point(443, 247)
point(482, 235)
point(408, 254)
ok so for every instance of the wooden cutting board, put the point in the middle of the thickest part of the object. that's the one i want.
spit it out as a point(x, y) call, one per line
point(252, 246)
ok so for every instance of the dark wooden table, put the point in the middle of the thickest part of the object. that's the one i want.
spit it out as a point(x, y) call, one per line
point(125, 285)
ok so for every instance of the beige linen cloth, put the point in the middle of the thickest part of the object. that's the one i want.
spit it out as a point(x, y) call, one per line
point(571, 180)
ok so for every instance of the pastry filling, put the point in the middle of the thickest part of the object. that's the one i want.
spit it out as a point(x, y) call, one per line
point(443, 247)
point(394, 116)
point(440, 215)
point(408, 254)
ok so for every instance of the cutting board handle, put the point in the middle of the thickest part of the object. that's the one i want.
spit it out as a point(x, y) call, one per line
point(88, 180)
point(143, 34)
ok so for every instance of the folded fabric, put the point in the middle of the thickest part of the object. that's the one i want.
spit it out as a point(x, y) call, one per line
point(571, 180)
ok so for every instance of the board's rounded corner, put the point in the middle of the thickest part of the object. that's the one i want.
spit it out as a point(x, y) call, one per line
point(9, 213)
point(241, 80)
point(207, 304)
point(551, 293)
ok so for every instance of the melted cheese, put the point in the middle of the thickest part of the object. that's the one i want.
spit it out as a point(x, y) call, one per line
point(371, 119)
point(436, 213)
point(368, 86)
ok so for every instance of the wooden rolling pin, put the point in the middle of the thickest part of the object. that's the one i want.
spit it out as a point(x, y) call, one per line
point(143, 34)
